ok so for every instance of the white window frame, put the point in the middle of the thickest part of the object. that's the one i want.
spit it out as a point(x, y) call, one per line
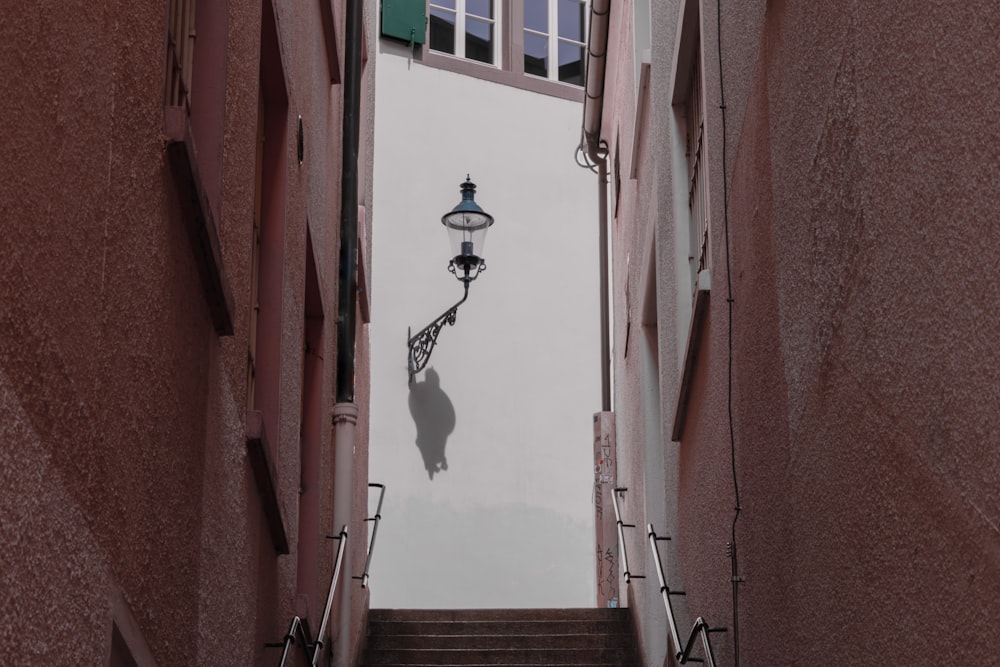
point(554, 39)
point(691, 196)
point(509, 56)
point(700, 253)
point(460, 16)
point(180, 52)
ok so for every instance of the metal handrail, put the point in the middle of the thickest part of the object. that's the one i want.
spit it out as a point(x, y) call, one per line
point(297, 625)
point(318, 648)
point(621, 537)
point(371, 543)
point(701, 627)
point(313, 649)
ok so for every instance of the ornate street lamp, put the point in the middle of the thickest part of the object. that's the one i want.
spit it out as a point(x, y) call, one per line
point(467, 224)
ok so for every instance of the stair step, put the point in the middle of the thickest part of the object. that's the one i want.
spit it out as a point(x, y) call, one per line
point(508, 637)
point(496, 627)
point(540, 614)
point(498, 656)
point(500, 640)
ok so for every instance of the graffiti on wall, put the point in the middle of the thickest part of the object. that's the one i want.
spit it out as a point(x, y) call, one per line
point(606, 529)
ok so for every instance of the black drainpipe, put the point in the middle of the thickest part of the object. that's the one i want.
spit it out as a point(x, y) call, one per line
point(348, 283)
point(345, 411)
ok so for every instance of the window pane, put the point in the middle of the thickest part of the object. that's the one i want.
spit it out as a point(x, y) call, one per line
point(479, 40)
point(482, 8)
point(450, 4)
point(442, 30)
point(571, 63)
point(571, 19)
point(536, 54)
point(536, 15)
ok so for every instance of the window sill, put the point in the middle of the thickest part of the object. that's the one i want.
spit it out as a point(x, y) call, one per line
point(641, 105)
point(698, 315)
point(259, 453)
point(182, 156)
point(494, 74)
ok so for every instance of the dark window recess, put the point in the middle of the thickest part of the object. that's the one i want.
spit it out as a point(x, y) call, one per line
point(535, 65)
point(330, 40)
point(536, 54)
point(121, 656)
point(197, 214)
point(618, 173)
point(405, 20)
point(262, 464)
point(479, 41)
point(442, 31)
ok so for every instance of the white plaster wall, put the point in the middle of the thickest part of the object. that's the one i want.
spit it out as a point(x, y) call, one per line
point(510, 522)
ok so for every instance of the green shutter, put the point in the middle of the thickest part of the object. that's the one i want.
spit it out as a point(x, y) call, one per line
point(405, 20)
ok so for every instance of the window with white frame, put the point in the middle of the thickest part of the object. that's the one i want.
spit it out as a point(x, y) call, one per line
point(180, 52)
point(465, 28)
point(691, 200)
point(538, 45)
point(694, 112)
point(555, 39)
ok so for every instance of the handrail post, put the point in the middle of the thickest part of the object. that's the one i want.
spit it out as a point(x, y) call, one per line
point(622, 552)
point(318, 647)
point(682, 651)
point(664, 590)
point(706, 644)
point(622, 549)
point(371, 543)
point(290, 639)
point(299, 625)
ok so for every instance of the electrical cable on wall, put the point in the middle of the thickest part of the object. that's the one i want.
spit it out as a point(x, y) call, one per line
point(733, 556)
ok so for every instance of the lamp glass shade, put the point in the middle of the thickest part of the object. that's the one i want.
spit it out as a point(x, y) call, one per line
point(467, 224)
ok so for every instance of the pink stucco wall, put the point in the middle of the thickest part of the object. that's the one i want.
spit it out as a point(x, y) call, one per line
point(128, 496)
point(861, 161)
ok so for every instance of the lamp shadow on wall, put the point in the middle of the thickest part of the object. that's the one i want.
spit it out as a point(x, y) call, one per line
point(434, 416)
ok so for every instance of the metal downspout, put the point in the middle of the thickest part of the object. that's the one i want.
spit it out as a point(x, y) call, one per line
point(597, 51)
point(602, 203)
point(593, 106)
point(345, 412)
point(345, 420)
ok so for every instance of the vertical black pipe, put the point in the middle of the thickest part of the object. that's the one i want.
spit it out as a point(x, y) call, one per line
point(348, 285)
point(602, 216)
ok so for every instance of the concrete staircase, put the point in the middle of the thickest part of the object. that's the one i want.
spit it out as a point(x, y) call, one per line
point(500, 637)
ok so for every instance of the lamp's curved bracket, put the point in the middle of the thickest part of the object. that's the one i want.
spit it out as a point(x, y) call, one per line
point(422, 344)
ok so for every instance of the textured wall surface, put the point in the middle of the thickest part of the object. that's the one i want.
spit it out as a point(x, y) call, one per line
point(881, 238)
point(860, 156)
point(129, 498)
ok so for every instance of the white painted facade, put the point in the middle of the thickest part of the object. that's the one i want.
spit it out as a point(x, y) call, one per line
point(509, 523)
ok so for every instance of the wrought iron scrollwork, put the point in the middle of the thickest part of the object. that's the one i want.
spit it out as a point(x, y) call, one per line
point(422, 344)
